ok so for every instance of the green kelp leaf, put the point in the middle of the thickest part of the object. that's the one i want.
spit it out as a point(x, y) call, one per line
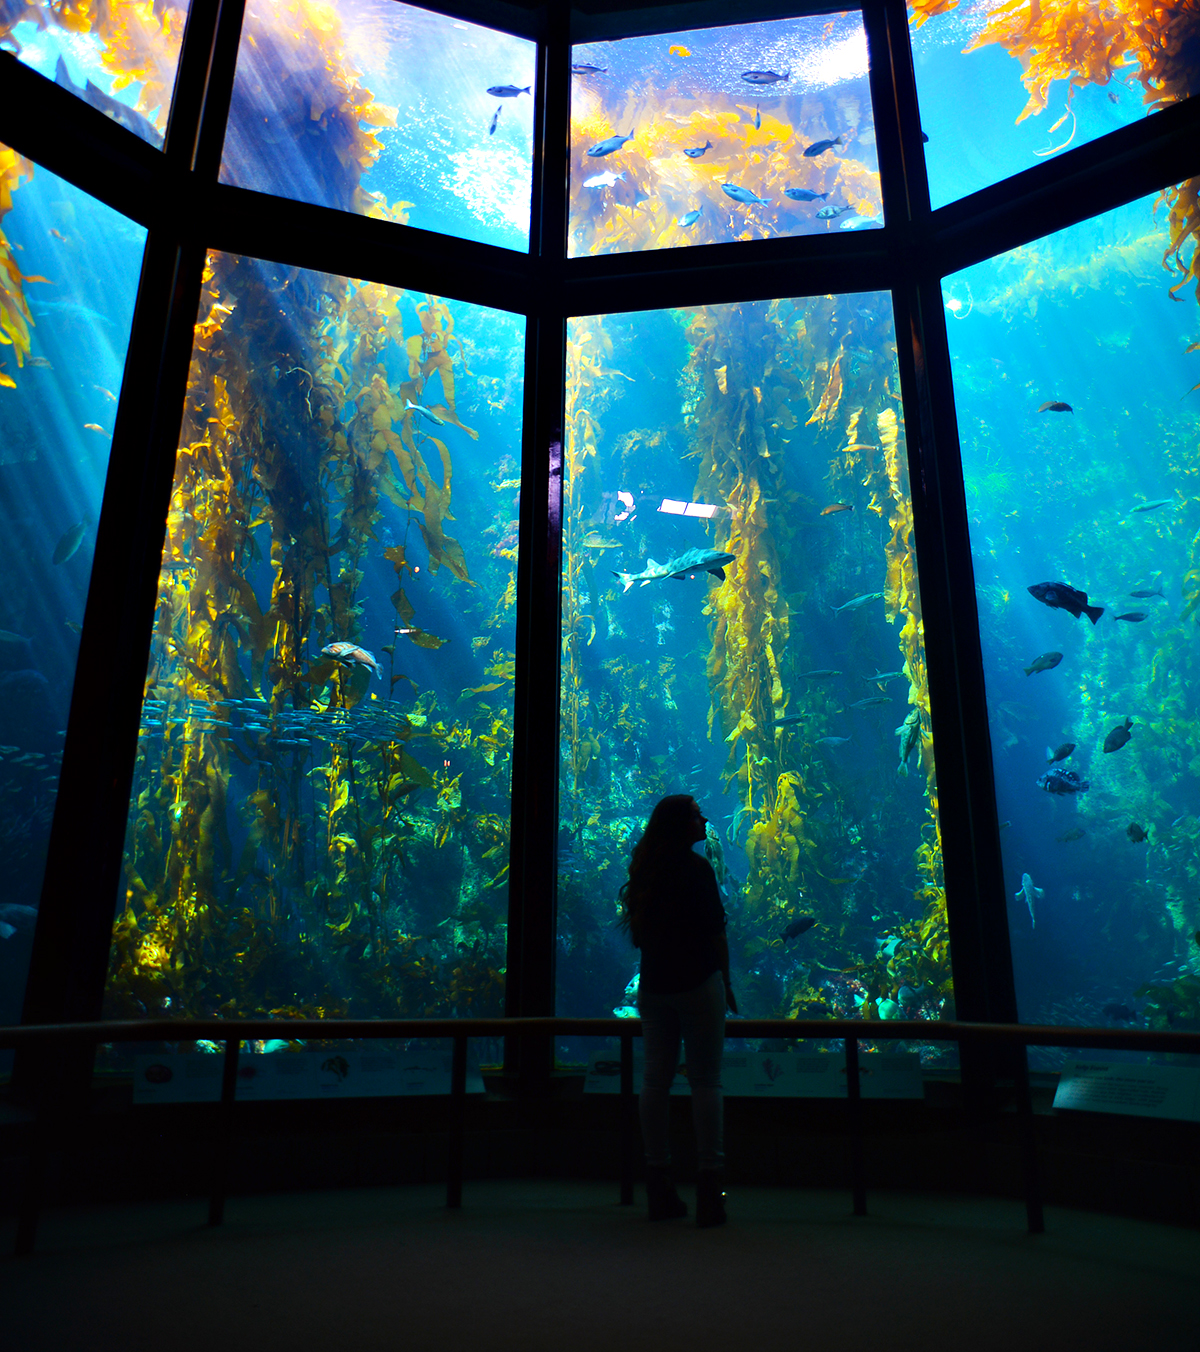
point(415, 771)
point(424, 640)
point(404, 607)
point(340, 797)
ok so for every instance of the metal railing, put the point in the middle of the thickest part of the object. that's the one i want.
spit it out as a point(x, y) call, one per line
point(234, 1032)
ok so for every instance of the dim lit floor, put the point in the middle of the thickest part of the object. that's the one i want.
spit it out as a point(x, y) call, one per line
point(544, 1265)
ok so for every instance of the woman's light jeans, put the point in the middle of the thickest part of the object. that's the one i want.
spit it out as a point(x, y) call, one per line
point(698, 1017)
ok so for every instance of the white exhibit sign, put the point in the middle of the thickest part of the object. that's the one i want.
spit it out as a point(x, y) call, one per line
point(1131, 1089)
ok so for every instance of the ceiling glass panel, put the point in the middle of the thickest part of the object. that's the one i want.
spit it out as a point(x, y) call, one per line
point(754, 131)
point(120, 56)
point(1075, 375)
point(386, 110)
point(320, 810)
point(741, 622)
point(1037, 79)
point(69, 270)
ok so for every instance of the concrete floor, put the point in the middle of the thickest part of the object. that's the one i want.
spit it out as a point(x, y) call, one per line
point(539, 1265)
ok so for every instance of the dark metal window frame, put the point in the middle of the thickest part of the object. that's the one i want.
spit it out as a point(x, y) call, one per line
point(176, 195)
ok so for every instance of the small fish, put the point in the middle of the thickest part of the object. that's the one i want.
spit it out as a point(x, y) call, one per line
point(831, 741)
point(678, 51)
point(830, 213)
point(1056, 406)
point(924, 138)
point(582, 69)
point(820, 674)
point(409, 406)
point(108, 394)
point(43, 362)
point(495, 119)
point(506, 91)
point(74, 626)
point(58, 234)
point(1153, 506)
point(860, 222)
point(870, 702)
point(694, 152)
point(604, 180)
point(607, 146)
point(757, 119)
point(1060, 596)
point(740, 194)
point(685, 565)
point(1133, 616)
point(1121, 1013)
point(799, 926)
point(1135, 833)
point(1145, 594)
point(690, 219)
point(16, 919)
point(1046, 662)
point(94, 427)
point(69, 542)
point(1118, 736)
point(909, 733)
point(765, 77)
point(1026, 893)
point(594, 540)
point(836, 507)
point(820, 147)
point(804, 195)
point(1059, 753)
point(884, 676)
point(790, 719)
point(1112, 98)
point(857, 601)
point(1075, 833)
point(349, 654)
point(1062, 781)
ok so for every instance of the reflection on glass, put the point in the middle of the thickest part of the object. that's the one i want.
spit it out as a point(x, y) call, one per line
point(1071, 374)
point(121, 56)
point(741, 621)
point(68, 277)
point(1037, 79)
point(386, 110)
point(747, 132)
point(320, 811)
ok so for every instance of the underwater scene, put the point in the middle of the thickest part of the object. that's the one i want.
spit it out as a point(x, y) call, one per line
point(319, 820)
point(386, 110)
point(754, 131)
point(741, 621)
point(69, 269)
point(120, 56)
point(1084, 70)
point(1077, 385)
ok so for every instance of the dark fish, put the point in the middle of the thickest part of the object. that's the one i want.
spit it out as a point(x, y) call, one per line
point(694, 152)
point(495, 119)
point(870, 702)
point(607, 146)
point(1056, 406)
point(1121, 1013)
point(1059, 753)
point(820, 147)
point(1133, 616)
point(1060, 596)
point(1063, 781)
point(924, 137)
point(1046, 662)
point(16, 919)
point(1154, 505)
point(804, 195)
point(581, 69)
point(757, 119)
point(1119, 735)
point(836, 507)
point(128, 117)
point(690, 219)
point(685, 565)
point(1075, 833)
point(830, 213)
point(764, 77)
point(506, 91)
point(798, 926)
point(1145, 594)
point(69, 542)
point(1135, 833)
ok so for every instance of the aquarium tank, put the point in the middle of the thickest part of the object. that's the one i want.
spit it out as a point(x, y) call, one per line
point(337, 782)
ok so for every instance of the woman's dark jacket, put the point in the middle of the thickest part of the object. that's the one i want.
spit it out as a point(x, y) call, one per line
point(682, 924)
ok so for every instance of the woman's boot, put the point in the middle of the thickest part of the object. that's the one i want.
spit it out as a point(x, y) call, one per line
point(710, 1198)
point(665, 1204)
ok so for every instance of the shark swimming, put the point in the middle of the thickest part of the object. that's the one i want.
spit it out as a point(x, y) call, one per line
point(683, 566)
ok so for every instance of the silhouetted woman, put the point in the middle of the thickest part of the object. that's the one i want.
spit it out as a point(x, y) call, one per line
point(672, 909)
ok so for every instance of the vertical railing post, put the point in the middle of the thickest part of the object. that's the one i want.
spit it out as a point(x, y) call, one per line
point(628, 1129)
point(1029, 1157)
point(854, 1105)
point(224, 1132)
point(458, 1107)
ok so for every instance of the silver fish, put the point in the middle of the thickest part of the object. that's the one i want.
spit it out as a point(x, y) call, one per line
point(1027, 893)
point(740, 194)
point(607, 146)
point(855, 602)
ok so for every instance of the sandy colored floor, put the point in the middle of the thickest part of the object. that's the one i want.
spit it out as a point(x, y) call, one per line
point(544, 1265)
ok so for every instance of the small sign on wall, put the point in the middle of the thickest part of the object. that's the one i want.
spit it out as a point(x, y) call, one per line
point(1130, 1089)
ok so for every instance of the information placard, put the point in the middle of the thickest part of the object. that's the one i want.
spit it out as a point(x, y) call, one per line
point(1133, 1090)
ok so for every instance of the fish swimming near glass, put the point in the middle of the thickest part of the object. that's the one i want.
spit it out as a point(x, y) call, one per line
point(1061, 596)
point(805, 195)
point(604, 180)
point(410, 407)
point(799, 926)
point(1144, 593)
point(69, 542)
point(860, 222)
point(765, 77)
point(683, 566)
point(856, 602)
point(690, 219)
point(92, 94)
point(1136, 833)
point(1056, 406)
point(16, 919)
point(831, 213)
point(740, 194)
point(351, 655)
point(1153, 506)
point(694, 152)
point(495, 119)
point(1133, 616)
point(507, 91)
point(1062, 781)
point(1027, 893)
point(1059, 753)
point(1045, 662)
point(909, 733)
point(582, 69)
point(1118, 736)
point(820, 147)
point(608, 145)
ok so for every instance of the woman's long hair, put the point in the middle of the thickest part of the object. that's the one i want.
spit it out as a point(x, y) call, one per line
point(667, 832)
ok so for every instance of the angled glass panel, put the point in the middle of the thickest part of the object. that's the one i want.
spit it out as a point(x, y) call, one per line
point(120, 57)
point(69, 270)
point(386, 110)
point(1037, 79)
point(320, 811)
point(1075, 374)
point(742, 622)
point(754, 131)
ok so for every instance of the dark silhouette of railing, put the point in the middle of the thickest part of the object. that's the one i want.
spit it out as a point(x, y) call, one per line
point(233, 1032)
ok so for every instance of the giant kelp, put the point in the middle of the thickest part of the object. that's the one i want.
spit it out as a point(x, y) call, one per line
point(15, 318)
